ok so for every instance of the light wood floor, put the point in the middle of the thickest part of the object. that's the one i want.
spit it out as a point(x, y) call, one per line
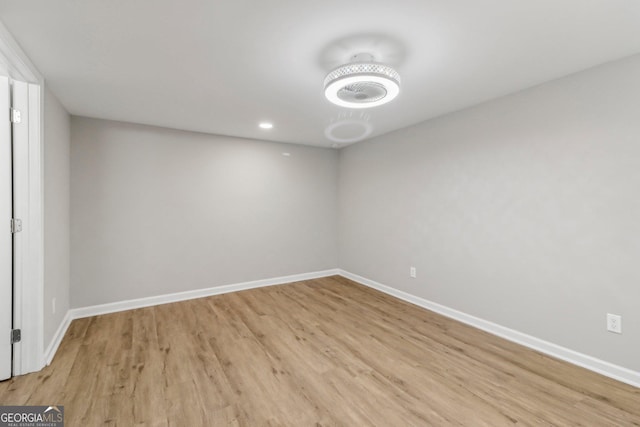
point(320, 352)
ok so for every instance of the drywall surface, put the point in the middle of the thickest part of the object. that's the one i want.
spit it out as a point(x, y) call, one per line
point(157, 211)
point(523, 211)
point(56, 190)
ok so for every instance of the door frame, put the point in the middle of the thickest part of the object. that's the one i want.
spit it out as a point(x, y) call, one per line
point(28, 256)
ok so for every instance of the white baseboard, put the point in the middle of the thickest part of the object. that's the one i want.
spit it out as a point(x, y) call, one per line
point(600, 366)
point(78, 313)
point(114, 307)
point(50, 352)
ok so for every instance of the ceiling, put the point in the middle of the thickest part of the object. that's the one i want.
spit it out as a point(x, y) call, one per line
point(222, 66)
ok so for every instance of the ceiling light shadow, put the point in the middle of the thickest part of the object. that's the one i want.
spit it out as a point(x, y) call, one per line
point(348, 127)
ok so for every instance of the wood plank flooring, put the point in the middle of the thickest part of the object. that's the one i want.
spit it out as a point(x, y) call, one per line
point(320, 352)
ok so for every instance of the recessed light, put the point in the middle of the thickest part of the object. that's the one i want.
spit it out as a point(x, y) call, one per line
point(265, 125)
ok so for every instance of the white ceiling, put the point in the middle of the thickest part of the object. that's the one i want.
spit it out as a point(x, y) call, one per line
point(222, 66)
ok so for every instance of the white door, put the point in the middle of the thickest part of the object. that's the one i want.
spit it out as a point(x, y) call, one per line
point(6, 240)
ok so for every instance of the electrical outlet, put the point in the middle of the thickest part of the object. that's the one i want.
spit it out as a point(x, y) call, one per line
point(53, 306)
point(614, 323)
point(412, 272)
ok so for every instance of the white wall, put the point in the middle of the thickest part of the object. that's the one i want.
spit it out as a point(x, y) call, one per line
point(524, 211)
point(56, 214)
point(157, 211)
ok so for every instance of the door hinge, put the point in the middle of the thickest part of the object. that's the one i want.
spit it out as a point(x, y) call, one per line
point(16, 225)
point(16, 336)
point(16, 117)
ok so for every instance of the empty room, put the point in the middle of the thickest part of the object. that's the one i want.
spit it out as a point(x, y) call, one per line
point(339, 213)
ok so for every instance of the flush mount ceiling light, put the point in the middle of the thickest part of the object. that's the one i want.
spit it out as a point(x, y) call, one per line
point(265, 125)
point(362, 83)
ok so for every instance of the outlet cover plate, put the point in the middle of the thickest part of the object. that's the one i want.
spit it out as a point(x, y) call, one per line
point(614, 323)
